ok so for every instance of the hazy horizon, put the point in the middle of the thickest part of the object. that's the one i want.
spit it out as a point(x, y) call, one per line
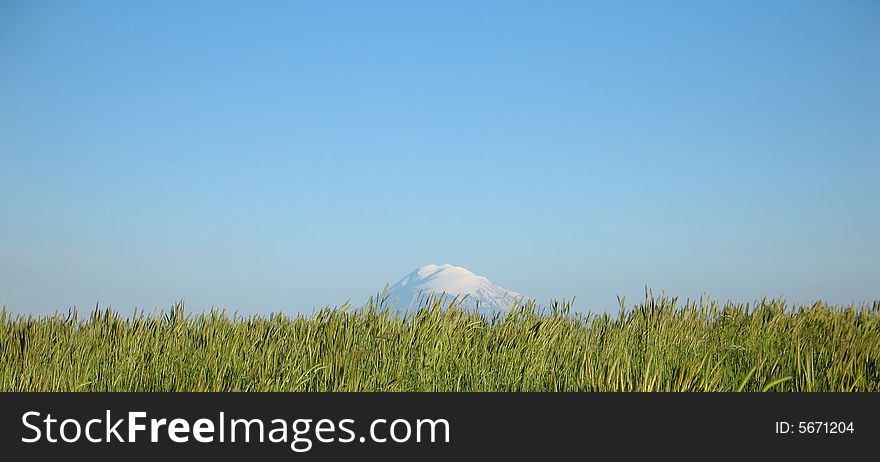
point(284, 156)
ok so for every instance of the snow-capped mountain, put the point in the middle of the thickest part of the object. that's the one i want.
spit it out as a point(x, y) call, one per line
point(478, 292)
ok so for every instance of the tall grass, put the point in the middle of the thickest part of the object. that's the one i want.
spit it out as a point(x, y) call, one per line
point(657, 345)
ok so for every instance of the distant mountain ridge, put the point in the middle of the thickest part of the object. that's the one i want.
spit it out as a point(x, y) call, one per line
point(474, 291)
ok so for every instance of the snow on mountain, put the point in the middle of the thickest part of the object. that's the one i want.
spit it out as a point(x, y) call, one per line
point(478, 292)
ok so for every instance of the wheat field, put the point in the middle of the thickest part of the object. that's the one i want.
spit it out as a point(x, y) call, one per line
point(659, 344)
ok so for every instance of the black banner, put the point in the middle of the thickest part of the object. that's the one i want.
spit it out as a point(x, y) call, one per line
point(401, 426)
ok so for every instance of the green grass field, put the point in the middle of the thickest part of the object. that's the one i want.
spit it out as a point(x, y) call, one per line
point(659, 345)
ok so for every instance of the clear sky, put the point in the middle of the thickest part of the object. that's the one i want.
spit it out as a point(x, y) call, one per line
point(280, 156)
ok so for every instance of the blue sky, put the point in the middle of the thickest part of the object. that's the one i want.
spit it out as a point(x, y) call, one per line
point(280, 156)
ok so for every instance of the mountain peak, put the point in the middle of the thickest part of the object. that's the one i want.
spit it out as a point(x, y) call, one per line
point(478, 292)
point(444, 270)
point(432, 268)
